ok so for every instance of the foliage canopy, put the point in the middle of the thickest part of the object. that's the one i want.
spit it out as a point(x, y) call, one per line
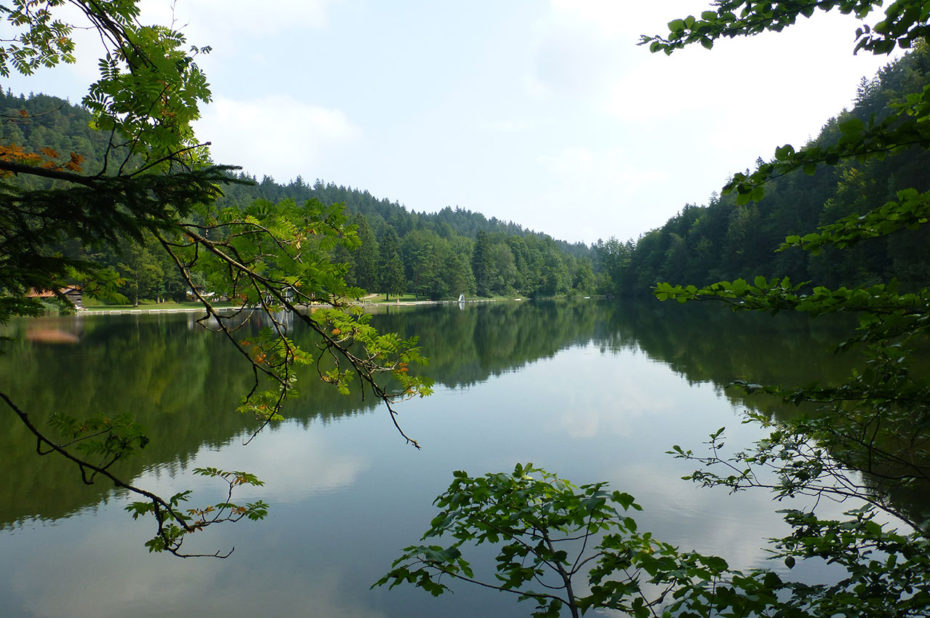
point(155, 187)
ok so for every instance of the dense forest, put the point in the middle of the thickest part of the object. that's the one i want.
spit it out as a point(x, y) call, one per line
point(723, 240)
point(440, 254)
point(443, 254)
point(432, 255)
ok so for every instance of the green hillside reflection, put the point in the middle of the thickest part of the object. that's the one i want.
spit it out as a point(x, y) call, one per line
point(183, 383)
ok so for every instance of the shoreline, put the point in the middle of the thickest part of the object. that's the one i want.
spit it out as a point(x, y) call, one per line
point(364, 304)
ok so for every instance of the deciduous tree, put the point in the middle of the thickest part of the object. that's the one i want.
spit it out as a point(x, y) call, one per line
point(156, 182)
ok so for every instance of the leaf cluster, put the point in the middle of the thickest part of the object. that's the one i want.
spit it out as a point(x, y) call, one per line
point(40, 40)
point(274, 258)
point(567, 547)
point(172, 533)
point(549, 535)
point(904, 23)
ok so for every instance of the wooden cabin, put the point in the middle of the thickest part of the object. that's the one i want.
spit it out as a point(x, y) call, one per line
point(72, 292)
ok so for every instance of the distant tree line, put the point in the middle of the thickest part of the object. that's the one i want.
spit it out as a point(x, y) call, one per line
point(723, 241)
point(432, 255)
point(442, 254)
point(454, 251)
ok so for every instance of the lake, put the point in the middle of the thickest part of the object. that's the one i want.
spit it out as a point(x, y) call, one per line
point(591, 391)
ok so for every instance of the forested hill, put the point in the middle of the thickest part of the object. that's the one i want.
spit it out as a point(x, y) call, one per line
point(380, 211)
point(724, 241)
point(442, 254)
point(434, 255)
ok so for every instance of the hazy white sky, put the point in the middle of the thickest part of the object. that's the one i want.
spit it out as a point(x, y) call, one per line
point(545, 113)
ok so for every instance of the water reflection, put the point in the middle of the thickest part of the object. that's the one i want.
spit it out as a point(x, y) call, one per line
point(182, 383)
point(593, 392)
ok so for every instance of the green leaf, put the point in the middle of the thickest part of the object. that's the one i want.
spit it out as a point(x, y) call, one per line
point(852, 126)
point(717, 564)
point(784, 152)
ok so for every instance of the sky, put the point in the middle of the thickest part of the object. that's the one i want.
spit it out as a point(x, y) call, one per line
point(545, 112)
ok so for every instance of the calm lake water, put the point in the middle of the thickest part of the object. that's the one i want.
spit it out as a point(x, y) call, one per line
point(591, 391)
